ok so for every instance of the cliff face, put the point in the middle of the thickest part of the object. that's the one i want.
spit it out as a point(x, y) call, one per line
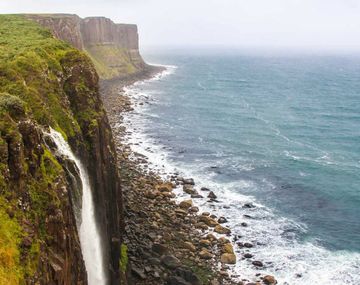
point(114, 48)
point(45, 82)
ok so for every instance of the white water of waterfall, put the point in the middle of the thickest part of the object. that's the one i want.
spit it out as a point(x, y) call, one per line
point(90, 240)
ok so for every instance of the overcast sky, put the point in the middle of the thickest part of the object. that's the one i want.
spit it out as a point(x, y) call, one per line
point(330, 24)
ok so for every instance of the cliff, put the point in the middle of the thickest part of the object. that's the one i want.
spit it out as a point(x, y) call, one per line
point(45, 82)
point(113, 48)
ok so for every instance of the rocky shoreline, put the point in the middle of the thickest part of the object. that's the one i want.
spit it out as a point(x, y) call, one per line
point(168, 242)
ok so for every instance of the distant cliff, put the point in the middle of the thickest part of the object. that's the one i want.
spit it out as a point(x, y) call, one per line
point(114, 48)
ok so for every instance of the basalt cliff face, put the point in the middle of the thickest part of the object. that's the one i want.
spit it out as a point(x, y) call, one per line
point(45, 82)
point(114, 48)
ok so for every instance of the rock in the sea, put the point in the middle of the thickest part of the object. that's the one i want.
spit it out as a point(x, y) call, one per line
point(222, 230)
point(222, 220)
point(189, 181)
point(249, 205)
point(248, 255)
point(196, 196)
point(269, 280)
point(212, 195)
point(228, 258)
point(258, 263)
point(189, 189)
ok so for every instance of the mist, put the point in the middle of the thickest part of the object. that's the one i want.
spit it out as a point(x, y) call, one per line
point(279, 24)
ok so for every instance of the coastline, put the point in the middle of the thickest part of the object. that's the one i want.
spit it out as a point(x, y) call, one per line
point(167, 238)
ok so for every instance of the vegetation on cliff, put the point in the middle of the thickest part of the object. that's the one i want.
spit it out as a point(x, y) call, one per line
point(43, 82)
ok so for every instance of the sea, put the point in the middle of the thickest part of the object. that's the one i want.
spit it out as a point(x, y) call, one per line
point(276, 137)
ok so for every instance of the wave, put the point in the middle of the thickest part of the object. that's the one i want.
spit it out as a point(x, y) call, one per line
point(276, 239)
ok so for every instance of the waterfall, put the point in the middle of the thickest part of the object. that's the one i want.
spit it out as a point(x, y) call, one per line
point(90, 240)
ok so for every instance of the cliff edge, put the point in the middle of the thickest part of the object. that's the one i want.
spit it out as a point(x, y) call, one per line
point(113, 48)
point(45, 82)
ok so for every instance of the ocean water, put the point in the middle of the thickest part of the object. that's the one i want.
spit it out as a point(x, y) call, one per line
point(279, 131)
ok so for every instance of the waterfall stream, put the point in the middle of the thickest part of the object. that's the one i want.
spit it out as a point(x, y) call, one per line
point(89, 235)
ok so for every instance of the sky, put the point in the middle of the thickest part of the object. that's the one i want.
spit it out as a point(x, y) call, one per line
point(308, 24)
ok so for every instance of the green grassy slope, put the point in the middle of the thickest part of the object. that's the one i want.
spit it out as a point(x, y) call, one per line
point(43, 81)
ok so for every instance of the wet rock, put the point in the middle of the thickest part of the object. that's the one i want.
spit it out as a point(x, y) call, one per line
point(248, 255)
point(269, 280)
point(196, 196)
point(244, 224)
point(189, 181)
point(258, 263)
point(222, 220)
point(228, 258)
point(222, 230)
point(204, 189)
point(212, 195)
point(189, 189)
point(249, 205)
point(248, 245)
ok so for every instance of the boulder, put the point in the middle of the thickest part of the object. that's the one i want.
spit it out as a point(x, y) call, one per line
point(186, 204)
point(188, 245)
point(258, 263)
point(170, 261)
point(205, 254)
point(189, 181)
point(269, 280)
point(228, 258)
point(228, 248)
point(222, 220)
point(212, 195)
point(208, 221)
point(222, 230)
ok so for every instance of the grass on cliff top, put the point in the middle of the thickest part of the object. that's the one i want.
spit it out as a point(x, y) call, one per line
point(111, 61)
point(30, 68)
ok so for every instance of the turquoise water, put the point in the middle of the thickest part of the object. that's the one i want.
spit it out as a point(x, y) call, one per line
point(281, 131)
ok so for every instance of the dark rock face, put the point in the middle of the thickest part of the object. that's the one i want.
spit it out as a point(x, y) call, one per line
point(100, 155)
point(60, 259)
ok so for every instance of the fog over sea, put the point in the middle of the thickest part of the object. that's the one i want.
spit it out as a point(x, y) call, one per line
point(279, 131)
